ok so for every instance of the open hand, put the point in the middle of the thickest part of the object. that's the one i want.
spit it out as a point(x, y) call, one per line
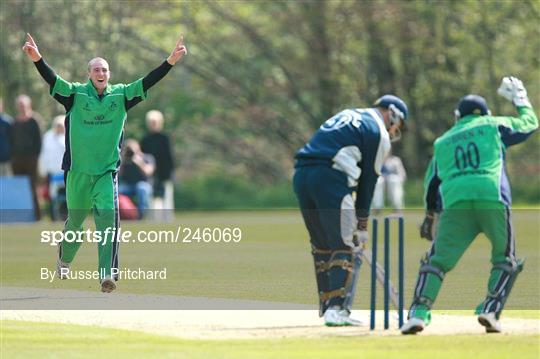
point(179, 50)
point(31, 49)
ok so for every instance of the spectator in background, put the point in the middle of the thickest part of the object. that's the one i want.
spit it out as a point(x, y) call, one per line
point(26, 145)
point(54, 146)
point(5, 147)
point(136, 172)
point(158, 145)
point(50, 162)
point(377, 203)
point(393, 175)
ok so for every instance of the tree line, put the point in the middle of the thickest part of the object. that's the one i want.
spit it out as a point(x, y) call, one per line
point(261, 76)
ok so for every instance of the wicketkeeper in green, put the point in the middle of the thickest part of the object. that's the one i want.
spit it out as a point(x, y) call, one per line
point(96, 112)
point(467, 177)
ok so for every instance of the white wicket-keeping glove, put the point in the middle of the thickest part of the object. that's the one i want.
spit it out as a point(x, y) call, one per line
point(513, 90)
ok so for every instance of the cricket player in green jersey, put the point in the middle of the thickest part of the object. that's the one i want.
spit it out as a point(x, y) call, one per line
point(467, 178)
point(96, 112)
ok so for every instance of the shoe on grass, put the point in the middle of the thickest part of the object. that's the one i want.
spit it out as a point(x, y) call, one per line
point(107, 285)
point(490, 321)
point(413, 326)
point(62, 269)
point(337, 317)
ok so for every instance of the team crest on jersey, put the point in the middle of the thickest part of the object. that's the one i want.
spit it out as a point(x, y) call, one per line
point(113, 106)
point(87, 107)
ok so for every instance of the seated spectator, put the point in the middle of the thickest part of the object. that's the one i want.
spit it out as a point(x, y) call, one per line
point(136, 171)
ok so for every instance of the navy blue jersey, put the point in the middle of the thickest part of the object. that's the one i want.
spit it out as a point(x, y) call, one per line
point(356, 142)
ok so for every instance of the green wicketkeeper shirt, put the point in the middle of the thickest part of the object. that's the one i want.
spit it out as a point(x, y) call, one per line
point(469, 159)
point(95, 124)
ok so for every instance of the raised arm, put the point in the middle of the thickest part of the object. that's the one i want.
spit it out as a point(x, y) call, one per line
point(31, 50)
point(159, 72)
point(514, 130)
point(46, 71)
point(155, 75)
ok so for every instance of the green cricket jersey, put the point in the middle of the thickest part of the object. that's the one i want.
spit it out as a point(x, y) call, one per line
point(95, 124)
point(469, 159)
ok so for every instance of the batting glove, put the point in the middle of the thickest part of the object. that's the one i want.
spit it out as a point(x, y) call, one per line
point(362, 223)
point(361, 236)
point(513, 90)
point(427, 226)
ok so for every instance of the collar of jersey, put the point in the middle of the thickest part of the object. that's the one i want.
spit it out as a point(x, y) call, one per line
point(377, 116)
point(93, 91)
point(467, 119)
point(378, 112)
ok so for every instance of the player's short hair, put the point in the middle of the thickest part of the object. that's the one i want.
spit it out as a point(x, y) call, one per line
point(96, 59)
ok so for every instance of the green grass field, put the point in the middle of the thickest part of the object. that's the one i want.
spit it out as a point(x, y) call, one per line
point(25, 339)
point(271, 263)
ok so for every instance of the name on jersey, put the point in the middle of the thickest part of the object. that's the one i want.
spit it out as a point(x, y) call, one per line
point(464, 136)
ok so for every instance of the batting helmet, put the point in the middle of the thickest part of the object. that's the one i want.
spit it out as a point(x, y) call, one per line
point(472, 105)
point(394, 103)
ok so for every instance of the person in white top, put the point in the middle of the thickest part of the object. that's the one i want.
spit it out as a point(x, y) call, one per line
point(50, 166)
point(393, 176)
point(53, 148)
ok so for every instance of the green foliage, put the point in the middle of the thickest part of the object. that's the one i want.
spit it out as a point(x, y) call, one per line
point(526, 190)
point(217, 192)
point(260, 77)
point(413, 191)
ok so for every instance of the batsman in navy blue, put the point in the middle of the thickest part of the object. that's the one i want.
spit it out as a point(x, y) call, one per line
point(336, 173)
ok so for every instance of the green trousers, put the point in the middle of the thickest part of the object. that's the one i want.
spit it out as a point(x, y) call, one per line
point(457, 228)
point(100, 194)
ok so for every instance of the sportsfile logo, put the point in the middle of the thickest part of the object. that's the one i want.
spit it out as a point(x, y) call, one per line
point(180, 235)
point(101, 237)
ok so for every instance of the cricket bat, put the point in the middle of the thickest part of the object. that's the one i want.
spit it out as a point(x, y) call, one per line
point(367, 256)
